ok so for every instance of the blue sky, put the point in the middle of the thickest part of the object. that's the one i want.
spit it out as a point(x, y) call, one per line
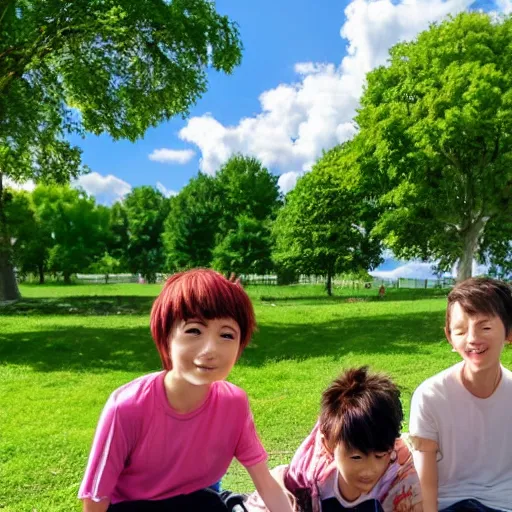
point(294, 95)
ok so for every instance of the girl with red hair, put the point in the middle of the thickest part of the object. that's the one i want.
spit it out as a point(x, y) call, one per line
point(165, 438)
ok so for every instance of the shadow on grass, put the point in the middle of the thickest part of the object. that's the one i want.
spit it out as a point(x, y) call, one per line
point(392, 295)
point(80, 305)
point(102, 350)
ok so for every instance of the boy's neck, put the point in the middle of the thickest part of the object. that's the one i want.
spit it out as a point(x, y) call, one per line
point(482, 384)
point(347, 492)
point(182, 396)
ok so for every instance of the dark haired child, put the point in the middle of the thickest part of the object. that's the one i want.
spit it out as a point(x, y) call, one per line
point(354, 459)
point(165, 438)
point(460, 418)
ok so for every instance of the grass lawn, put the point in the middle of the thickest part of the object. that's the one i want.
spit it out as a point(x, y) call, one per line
point(63, 350)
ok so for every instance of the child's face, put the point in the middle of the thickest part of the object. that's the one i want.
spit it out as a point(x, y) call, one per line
point(204, 351)
point(479, 339)
point(358, 473)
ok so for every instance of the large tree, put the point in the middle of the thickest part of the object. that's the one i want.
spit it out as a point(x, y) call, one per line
point(115, 66)
point(31, 237)
point(146, 210)
point(325, 225)
point(191, 228)
point(205, 217)
point(436, 141)
point(77, 225)
point(245, 249)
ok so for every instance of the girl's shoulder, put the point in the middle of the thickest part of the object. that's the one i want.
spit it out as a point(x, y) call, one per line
point(229, 392)
point(138, 393)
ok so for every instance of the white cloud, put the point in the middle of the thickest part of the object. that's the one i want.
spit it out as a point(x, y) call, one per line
point(297, 121)
point(106, 189)
point(411, 270)
point(28, 185)
point(504, 6)
point(172, 156)
point(422, 270)
point(287, 181)
point(165, 191)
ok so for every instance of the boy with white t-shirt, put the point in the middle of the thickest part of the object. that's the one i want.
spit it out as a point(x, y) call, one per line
point(461, 418)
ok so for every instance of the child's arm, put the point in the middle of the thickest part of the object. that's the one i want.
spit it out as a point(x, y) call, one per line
point(272, 494)
point(425, 462)
point(95, 506)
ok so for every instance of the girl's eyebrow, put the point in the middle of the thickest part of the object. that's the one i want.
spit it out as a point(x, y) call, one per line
point(195, 321)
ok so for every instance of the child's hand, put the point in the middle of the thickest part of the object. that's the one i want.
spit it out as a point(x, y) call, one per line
point(272, 494)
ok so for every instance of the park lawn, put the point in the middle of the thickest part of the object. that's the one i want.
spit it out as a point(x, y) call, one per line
point(63, 350)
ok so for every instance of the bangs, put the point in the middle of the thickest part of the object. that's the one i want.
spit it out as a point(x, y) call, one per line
point(205, 297)
point(367, 433)
point(482, 296)
point(203, 294)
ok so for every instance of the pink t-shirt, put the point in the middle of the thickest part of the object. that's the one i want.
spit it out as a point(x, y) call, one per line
point(144, 450)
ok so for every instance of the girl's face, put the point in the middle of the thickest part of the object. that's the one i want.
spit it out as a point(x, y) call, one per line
point(358, 473)
point(204, 351)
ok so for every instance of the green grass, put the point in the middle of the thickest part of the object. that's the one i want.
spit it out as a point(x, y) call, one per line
point(64, 349)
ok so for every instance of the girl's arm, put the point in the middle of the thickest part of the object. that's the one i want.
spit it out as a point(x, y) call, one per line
point(95, 506)
point(270, 491)
point(425, 462)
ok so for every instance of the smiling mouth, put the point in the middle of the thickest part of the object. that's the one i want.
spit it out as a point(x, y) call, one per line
point(477, 351)
point(205, 367)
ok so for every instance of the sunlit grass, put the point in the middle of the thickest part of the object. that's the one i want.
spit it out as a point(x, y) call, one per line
point(64, 349)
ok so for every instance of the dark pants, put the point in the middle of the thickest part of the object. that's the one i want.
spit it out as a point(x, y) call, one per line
point(468, 506)
point(206, 500)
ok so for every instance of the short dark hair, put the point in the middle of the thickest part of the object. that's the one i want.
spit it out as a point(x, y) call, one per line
point(482, 295)
point(361, 410)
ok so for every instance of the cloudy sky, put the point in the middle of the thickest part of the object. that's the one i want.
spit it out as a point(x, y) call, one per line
point(294, 95)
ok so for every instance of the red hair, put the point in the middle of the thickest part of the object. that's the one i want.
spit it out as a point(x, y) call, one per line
point(203, 294)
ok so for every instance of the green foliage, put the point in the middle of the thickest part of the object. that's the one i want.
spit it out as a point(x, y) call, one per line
point(246, 249)
point(125, 66)
point(30, 236)
point(146, 210)
point(76, 225)
point(106, 265)
point(114, 66)
point(436, 140)
point(217, 219)
point(118, 238)
point(247, 189)
point(323, 227)
point(192, 224)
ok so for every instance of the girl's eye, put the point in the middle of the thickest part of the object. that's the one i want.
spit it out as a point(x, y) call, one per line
point(228, 336)
point(381, 455)
point(193, 330)
point(356, 457)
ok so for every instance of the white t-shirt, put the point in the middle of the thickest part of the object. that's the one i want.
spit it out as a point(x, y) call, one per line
point(474, 436)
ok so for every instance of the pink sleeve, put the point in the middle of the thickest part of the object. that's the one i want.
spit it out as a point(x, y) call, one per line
point(249, 450)
point(109, 452)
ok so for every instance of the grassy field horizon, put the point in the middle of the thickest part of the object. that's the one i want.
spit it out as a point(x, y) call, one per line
point(63, 350)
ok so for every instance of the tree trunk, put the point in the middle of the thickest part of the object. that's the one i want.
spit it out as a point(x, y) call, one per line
point(328, 284)
point(67, 278)
point(41, 274)
point(8, 284)
point(470, 239)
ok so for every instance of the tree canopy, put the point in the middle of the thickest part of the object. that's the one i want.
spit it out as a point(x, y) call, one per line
point(324, 227)
point(435, 141)
point(113, 66)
